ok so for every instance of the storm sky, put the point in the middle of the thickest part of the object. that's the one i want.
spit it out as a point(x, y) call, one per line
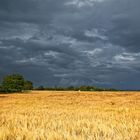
point(72, 42)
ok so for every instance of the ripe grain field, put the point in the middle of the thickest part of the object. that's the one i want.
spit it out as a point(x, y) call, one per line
point(46, 115)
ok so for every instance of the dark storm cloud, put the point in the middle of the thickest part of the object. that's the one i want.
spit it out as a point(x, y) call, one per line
point(77, 42)
point(34, 11)
point(126, 25)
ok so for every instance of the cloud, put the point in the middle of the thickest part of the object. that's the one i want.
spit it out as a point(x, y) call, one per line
point(77, 42)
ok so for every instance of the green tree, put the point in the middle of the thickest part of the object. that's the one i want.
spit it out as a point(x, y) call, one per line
point(83, 88)
point(1, 88)
point(40, 88)
point(13, 83)
point(28, 85)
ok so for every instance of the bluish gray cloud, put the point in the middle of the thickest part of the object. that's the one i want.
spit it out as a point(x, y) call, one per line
point(77, 42)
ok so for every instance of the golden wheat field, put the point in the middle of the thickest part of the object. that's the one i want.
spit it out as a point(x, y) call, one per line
point(46, 115)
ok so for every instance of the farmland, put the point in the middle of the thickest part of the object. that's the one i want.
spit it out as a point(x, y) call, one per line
point(70, 115)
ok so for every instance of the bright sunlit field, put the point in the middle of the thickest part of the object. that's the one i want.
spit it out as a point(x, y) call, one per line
point(49, 115)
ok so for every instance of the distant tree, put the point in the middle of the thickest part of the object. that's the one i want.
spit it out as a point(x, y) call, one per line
point(70, 88)
point(28, 85)
point(13, 83)
point(40, 88)
point(1, 88)
point(83, 88)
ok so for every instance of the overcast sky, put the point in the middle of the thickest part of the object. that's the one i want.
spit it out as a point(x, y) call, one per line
point(72, 42)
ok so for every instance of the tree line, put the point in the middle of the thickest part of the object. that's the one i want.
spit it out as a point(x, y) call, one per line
point(17, 83)
point(73, 88)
